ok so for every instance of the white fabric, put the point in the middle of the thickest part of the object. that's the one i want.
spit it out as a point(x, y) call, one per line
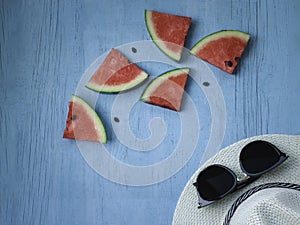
point(274, 206)
point(186, 211)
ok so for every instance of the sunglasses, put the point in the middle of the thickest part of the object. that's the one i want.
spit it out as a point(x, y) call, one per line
point(256, 158)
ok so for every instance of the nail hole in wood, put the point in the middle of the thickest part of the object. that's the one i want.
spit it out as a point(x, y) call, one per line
point(133, 49)
point(206, 84)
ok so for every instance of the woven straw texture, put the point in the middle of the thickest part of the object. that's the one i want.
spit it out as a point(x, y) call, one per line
point(186, 211)
point(274, 206)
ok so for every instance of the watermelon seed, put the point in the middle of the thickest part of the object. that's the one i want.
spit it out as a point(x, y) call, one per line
point(228, 63)
point(206, 84)
point(133, 49)
point(236, 59)
point(116, 119)
point(73, 117)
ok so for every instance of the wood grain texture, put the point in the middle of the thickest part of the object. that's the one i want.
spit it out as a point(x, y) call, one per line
point(45, 47)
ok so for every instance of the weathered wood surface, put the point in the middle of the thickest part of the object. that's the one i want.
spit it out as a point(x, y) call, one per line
point(45, 47)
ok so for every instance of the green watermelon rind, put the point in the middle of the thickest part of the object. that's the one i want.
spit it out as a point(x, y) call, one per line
point(118, 88)
point(217, 35)
point(155, 83)
point(158, 41)
point(94, 116)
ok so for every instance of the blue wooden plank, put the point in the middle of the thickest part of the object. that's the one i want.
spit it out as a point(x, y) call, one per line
point(45, 47)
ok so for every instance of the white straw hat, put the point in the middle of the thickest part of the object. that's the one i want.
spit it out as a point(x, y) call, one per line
point(187, 211)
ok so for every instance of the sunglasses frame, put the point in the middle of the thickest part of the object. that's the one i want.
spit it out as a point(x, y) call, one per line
point(244, 181)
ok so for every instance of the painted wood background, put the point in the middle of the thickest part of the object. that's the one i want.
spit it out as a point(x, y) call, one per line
point(45, 47)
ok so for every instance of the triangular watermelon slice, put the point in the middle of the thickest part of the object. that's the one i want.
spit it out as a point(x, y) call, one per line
point(116, 74)
point(83, 123)
point(222, 49)
point(167, 89)
point(168, 32)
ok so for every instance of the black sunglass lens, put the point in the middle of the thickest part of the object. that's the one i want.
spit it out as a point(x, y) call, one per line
point(214, 182)
point(258, 156)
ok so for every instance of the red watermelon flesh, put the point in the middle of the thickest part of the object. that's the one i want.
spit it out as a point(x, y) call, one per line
point(169, 95)
point(83, 123)
point(168, 31)
point(222, 49)
point(116, 74)
point(167, 89)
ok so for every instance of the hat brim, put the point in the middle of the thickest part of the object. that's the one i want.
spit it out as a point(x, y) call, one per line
point(187, 212)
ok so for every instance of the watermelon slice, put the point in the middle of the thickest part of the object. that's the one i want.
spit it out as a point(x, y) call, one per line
point(168, 32)
point(83, 123)
point(222, 49)
point(116, 74)
point(167, 89)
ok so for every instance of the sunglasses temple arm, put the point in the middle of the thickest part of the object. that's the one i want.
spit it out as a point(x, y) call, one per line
point(202, 202)
point(245, 181)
